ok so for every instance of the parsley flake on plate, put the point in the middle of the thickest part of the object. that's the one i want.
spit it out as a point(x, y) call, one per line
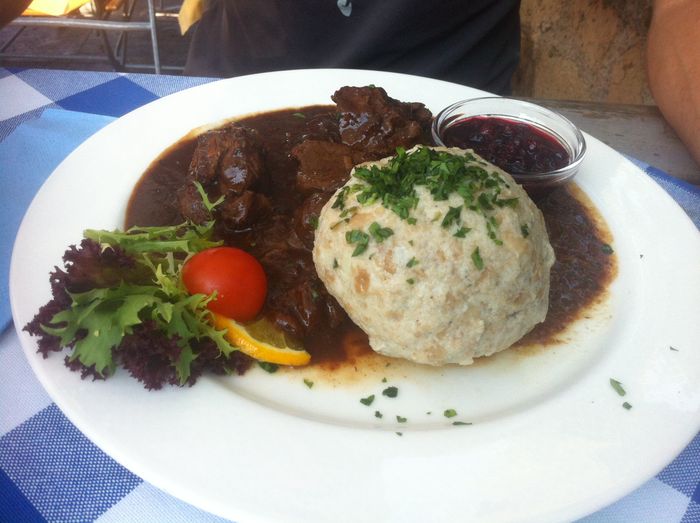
point(390, 392)
point(450, 413)
point(368, 400)
point(618, 387)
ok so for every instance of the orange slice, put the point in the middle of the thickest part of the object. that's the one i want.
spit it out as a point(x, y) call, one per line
point(261, 340)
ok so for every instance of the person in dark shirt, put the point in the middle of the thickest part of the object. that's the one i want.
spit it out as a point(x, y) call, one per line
point(11, 9)
point(472, 42)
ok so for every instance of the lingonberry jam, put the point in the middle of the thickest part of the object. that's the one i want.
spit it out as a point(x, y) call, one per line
point(512, 145)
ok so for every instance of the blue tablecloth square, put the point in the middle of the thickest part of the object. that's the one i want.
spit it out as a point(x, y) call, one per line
point(176, 83)
point(680, 472)
point(692, 513)
point(80, 481)
point(53, 136)
point(56, 85)
point(8, 72)
point(14, 506)
point(114, 98)
point(12, 123)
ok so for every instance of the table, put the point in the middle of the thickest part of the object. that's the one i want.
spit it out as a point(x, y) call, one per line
point(51, 472)
point(639, 131)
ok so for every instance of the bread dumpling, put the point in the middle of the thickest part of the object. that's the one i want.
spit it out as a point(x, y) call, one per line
point(439, 256)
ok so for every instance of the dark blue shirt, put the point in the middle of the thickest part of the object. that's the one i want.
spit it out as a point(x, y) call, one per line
point(472, 42)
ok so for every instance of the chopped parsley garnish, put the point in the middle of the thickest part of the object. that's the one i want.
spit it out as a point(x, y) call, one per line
point(399, 433)
point(335, 263)
point(606, 248)
point(368, 400)
point(339, 202)
point(476, 258)
point(484, 202)
point(452, 216)
point(361, 239)
point(412, 262)
point(461, 423)
point(673, 348)
point(627, 405)
point(379, 233)
point(410, 281)
point(618, 387)
point(268, 367)
point(378, 414)
point(442, 174)
point(462, 232)
point(299, 115)
point(525, 230)
point(491, 228)
point(384, 380)
point(390, 392)
point(308, 382)
point(313, 221)
point(401, 419)
point(507, 202)
point(450, 413)
point(349, 211)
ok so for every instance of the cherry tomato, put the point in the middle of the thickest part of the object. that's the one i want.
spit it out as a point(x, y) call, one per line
point(237, 277)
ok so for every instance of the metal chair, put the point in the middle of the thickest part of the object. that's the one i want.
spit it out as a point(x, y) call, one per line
point(116, 53)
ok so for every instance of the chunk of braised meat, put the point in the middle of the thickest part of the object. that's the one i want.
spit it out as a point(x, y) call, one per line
point(191, 205)
point(378, 124)
point(231, 156)
point(323, 166)
point(242, 163)
point(241, 212)
point(323, 127)
point(304, 301)
point(298, 303)
point(287, 266)
point(273, 234)
point(285, 321)
point(306, 217)
point(205, 159)
point(305, 308)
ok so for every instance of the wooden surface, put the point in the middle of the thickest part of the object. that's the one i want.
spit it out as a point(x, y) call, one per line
point(635, 130)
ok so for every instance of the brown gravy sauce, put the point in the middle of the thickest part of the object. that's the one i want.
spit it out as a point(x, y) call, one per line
point(579, 278)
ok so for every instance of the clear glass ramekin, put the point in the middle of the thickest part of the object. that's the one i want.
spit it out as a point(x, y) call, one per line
point(544, 120)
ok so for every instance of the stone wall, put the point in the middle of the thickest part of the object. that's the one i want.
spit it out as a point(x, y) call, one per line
point(586, 50)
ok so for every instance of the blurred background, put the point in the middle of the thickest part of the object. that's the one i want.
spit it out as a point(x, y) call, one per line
point(585, 50)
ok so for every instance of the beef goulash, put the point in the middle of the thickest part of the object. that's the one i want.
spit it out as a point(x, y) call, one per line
point(258, 185)
point(306, 155)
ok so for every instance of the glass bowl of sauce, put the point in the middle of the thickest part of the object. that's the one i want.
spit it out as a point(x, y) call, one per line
point(539, 148)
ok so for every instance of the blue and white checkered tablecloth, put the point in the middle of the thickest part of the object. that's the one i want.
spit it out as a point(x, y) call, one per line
point(49, 471)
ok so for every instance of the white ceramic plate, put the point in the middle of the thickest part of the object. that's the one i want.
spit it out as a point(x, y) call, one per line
point(550, 440)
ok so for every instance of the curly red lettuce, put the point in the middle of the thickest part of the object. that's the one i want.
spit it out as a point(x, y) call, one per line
point(119, 301)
